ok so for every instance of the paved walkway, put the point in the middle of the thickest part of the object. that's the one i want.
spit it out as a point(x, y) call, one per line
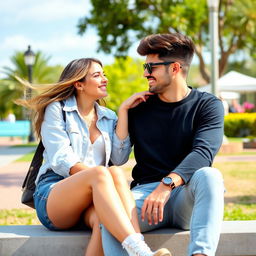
point(10, 154)
point(236, 158)
point(12, 173)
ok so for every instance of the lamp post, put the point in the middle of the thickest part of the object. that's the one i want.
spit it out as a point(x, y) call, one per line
point(213, 6)
point(29, 58)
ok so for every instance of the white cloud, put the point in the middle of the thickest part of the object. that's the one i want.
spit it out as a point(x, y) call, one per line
point(65, 42)
point(61, 49)
point(68, 42)
point(69, 47)
point(48, 26)
point(14, 42)
point(43, 11)
point(6, 62)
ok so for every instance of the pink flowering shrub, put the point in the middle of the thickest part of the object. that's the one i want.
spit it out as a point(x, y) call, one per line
point(248, 107)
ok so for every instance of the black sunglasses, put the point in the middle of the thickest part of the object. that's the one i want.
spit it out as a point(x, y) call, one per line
point(149, 65)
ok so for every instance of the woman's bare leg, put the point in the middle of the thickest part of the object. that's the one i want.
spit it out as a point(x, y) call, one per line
point(71, 196)
point(95, 244)
point(125, 194)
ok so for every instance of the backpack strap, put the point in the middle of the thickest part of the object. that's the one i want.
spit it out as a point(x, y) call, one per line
point(28, 185)
point(63, 112)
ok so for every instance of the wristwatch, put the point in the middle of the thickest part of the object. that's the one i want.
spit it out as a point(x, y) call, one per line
point(168, 181)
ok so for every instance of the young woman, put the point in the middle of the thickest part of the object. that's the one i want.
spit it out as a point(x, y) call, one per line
point(80, 138)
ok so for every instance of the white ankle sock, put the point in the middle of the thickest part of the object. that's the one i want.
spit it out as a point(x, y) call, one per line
point(134, 244)
point(133, 238)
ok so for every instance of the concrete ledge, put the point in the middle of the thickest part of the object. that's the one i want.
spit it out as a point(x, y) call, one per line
point(237, 238)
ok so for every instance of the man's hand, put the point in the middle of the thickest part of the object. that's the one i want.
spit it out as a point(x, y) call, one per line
point(154, 204)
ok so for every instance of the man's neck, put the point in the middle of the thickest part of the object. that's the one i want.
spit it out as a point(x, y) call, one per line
point(175, 94)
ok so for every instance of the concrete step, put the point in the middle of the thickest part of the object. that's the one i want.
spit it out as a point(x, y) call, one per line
point(237, 238)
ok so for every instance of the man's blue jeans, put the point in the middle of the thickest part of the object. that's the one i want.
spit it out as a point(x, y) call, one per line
point(197, 206)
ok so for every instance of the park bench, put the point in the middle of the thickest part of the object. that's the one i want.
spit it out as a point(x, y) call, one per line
point(15, 129)
point(238, 238)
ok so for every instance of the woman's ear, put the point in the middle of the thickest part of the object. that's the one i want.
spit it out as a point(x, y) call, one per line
point(78, 86)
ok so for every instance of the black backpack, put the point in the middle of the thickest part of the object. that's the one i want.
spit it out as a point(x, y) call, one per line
point(28, 186)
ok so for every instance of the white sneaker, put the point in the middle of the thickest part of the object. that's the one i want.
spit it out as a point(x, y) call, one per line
point(140, 248)
point(162, 252)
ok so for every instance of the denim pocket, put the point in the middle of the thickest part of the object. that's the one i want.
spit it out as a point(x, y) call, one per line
point(44, 187)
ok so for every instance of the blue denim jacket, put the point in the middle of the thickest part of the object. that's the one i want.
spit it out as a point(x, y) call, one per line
point(66, 143)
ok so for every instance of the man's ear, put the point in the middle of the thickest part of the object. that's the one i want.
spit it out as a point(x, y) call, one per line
point(176, 67)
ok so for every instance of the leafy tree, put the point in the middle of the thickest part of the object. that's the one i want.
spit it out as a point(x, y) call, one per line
point(247, 67)
point(11, 89)
point(122, 22)
point(125, 77)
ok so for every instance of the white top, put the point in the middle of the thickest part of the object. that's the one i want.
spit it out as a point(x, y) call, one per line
point(95, 155)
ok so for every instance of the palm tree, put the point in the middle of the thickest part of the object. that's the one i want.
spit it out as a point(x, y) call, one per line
point(11, 89)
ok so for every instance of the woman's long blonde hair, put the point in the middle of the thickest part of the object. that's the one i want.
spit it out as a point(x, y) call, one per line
point(75, 71)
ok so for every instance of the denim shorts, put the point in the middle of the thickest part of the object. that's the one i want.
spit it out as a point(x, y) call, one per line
point(43, 188)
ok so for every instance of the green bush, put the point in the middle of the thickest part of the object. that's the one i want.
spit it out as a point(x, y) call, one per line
point(240, 124)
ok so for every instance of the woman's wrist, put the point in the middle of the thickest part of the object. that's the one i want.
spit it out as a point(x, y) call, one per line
point(123, 109)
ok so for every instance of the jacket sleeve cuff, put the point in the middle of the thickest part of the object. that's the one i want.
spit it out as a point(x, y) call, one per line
point(64, 164)
point(121, 144)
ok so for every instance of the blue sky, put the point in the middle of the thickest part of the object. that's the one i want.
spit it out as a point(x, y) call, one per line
point(48, 26)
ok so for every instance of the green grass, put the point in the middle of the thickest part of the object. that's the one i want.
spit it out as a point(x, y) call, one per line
point(240, 212)
point(239, 179)
point(245, 153)
point(26, 158)
point(30, 144)
point(28, 216)
point(18, 217)
point(235, 139)
point(132, 154)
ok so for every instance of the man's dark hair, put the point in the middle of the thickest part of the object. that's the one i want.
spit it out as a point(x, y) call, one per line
point(172, 47)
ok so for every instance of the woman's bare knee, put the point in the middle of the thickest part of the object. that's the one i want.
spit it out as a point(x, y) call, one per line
point(118, 175)
point(101, 175)
point(93, 175)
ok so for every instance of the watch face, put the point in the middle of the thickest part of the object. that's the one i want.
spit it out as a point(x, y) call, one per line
point(167, 180)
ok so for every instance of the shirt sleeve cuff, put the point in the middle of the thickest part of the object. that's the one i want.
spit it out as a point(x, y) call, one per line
point(185, 177)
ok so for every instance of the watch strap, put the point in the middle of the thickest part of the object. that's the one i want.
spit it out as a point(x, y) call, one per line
point(172, 185)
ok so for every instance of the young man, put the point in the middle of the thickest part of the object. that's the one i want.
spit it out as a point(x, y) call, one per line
point(176, 132)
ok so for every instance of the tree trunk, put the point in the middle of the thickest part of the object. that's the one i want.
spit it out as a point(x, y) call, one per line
point(202, 67)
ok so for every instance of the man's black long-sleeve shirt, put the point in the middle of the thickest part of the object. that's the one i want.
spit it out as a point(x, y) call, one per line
point(179, 137)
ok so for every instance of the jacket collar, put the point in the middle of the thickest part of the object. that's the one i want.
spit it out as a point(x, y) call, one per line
point(70, 104)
